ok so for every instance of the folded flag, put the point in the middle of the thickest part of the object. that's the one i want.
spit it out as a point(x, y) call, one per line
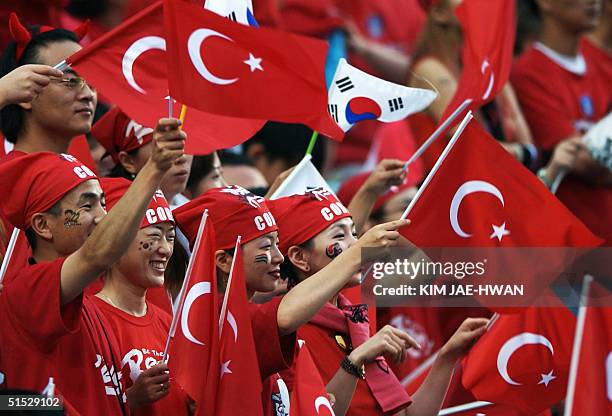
point(355, 96)
point(304, 177)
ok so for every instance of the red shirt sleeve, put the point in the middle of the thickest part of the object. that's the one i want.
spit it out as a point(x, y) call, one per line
point(274, 352)
point(33, 304)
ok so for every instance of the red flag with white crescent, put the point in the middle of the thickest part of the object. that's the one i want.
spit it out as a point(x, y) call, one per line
point(128, 66)
point(309, 397)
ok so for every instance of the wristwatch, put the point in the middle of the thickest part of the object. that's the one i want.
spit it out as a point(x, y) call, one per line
point(348, 366)
point(542, 176)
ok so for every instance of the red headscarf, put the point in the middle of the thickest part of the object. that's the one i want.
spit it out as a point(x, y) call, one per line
point(301, 217)
point(35, 182)
point(233, 210)
point(157, 212)
point(117, 132)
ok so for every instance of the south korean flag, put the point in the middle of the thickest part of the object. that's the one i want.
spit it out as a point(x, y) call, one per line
point(356, 96)
point(240, 11)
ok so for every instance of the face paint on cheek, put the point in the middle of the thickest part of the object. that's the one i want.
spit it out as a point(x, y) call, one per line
point(261, 258)
point(71, 218)
point(144, 246)
point(333, 250)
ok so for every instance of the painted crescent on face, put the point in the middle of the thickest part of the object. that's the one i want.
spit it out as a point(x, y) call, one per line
point(512, 345)
point(323, 401)
point(464, 190)
point(194, 44)
point(195, 292)
point(134, 51)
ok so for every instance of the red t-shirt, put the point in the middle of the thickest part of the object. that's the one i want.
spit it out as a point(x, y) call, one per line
point(141, 344)
point(557, 104)
point(601, 58)
point(72, 343)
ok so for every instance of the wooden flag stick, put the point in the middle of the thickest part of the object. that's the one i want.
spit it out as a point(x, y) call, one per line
point(9, 253)
point(313, 141)
point(182, 115)
point(445, 153)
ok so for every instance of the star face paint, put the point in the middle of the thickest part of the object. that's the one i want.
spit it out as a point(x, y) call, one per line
point(333, 250)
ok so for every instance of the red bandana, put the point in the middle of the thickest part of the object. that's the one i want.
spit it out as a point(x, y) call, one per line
point(233, 210)
point(157, 212)
point(35, 182)
point(301, 217)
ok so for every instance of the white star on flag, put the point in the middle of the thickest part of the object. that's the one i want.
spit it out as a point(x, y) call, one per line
point(253, 63)
point(499, 231)
point(547, 378)
point(225, 368)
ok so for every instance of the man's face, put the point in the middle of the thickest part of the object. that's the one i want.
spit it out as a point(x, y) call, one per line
point(64, 108)
point(81, 210)
point(575, 16)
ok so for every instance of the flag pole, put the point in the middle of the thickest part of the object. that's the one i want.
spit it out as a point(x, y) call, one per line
point(227, 288)
point(580, 321)
point(313, 141)
point(178, 306)
point(441, 128)
point(183, 112)
point(464, 407)
point(431, 174)
point(169, 106)
point(9, 252)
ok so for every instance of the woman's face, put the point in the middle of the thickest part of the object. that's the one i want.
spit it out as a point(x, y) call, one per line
point(330, 243)
point(145, 261)
point(262, 260)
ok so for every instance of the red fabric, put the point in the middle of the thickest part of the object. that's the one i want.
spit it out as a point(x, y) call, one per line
point(157, 212)
point(318, 209)
point(71, 343)
point(593, 394)
point(117, 132)
point(194, 349)
point(237, 354)
point(233, 210)
point(487, 52)
point(101, 63)
point(309, 397)
point(36, 182)
point(141, 342)
point(558, 104)
point(291, 66)
point(598, 56)
point(317, 18)
point(528, 206)
point(79, 148)
point(516, 345)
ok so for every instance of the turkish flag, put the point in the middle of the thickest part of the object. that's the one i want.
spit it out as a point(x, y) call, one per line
point(128, 65)
point(194, 349)
point(227, 68)
point(309, 397)
point(593, 388)
point(239, 389)
point(488, 40)
point(523, 360)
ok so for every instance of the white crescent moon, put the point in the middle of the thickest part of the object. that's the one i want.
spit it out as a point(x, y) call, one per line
point(464, 190)
point(134, 51)
point(485, 65)
point(195, 292)
point(194, 44)
point(608, 376)
point(323, 401)
point(232, 321)
point(513, 344)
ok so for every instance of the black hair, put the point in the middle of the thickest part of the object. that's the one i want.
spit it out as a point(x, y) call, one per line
point(176, 269)
point(87, 9)
point(119, 171)
point(528, 24)
point(12, 116)
point(287, 142)
point(201, 166)
point(30, 234)
point(235, 159)
point(289, 271)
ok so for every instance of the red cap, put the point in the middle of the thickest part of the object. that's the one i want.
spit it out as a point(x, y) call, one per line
point(117, 132)
point(350, 187)
point(157, 212)
point(35, 182)
point(303, 216)
point(233, 210)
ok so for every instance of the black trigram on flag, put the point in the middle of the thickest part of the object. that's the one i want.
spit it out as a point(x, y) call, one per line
point(345, 84)
point(395, 104)
point(232, 17)
point(333, 111)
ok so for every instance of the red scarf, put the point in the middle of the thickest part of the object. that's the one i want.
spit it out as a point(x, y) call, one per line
point(352, 321)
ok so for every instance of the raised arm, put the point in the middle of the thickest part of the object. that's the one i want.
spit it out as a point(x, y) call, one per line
point(24, 83)
point(113, 235)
